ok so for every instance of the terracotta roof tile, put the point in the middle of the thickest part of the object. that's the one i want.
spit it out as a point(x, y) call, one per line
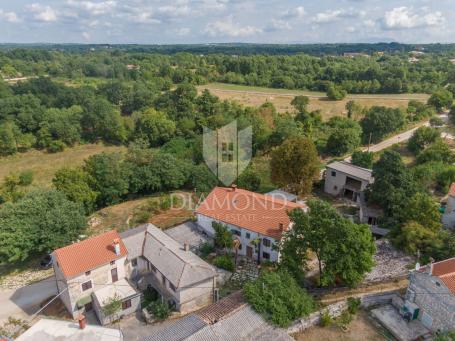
point(452, 190)
point(252, 211)
point(88, 254)
point(445, 270)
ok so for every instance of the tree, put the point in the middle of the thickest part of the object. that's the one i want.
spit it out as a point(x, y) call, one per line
point(422, 138)
point(363, 159)
point(108, 176)
point(155, 127)
point(295, 164)
point(249, 180)
point(223, 236)
point(278, 297)
point(441, 99)
point(300, 103)
point(381, 121)
point(41, 221)
point(423, 209)
point(438, 151)
point(336, 93)
point(8, 145)
point(354, 109)
point(202, 179)
point(74, 183)
point(344, 250)
point(344, 137)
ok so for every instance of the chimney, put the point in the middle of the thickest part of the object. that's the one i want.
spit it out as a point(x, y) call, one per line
point(82, 321)
point(186, 246)
point(117, 246)
point(281, 226)
point(233, 187)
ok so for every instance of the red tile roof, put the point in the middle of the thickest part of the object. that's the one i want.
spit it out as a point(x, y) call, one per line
point(88, 254)
point(252, 211)
point(452, 190)
point(445, 270)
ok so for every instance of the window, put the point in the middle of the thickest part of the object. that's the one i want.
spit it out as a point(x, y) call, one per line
point(134, 262)
point(266, 255)
point(266, 242)
point(112, 262)
point(171, 286)
point(227, 152)
point(86, 285)
point(88, 273)
point(126, 304)
point(248, 235)
point(333, 173)
point(237, 233)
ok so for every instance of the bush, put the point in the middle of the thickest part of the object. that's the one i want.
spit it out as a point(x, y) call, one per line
point(353, 305)
point(56, 146)
point(326, 319)
point(345, 319)
point(160, 310)
point(224, 262)
point(205, 249)
point(26, 178)
point(278, 298)
point(363, 159)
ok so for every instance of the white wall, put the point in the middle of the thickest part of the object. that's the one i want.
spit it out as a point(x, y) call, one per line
point(206, 224)
point(448, 218)
point(334, 184)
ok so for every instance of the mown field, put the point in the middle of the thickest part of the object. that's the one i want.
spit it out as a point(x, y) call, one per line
point(44, 165)
point(281, 98)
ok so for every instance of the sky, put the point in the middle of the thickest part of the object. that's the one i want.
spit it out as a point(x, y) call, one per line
point(222, 21)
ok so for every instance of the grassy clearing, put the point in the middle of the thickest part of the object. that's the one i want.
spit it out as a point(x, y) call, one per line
point(44, 165)
point(281, 98)
point(131, 213)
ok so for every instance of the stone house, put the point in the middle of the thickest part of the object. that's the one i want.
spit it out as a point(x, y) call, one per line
point(258, 221)
point(448, 217)
point(343, 179)
point(89, 273)
point(432, 290)
point(183, 279)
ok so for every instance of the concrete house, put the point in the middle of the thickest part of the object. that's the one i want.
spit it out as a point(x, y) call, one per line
point(258, 221)
point(183, 279)
point(343, 179)
point(448, 217)
point(432, 290)
point(91, 272)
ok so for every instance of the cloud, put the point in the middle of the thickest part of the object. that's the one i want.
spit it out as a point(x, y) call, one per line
point(94, 8)
point(10, 17)
point(278, 25)
point(295, 13)
point(183, 31)
point(228, 28)
point(42, 13)
point(213, 5)
point(334, 15)
point(406, 18)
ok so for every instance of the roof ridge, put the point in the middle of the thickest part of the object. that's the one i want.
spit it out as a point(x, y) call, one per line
point(352, 165)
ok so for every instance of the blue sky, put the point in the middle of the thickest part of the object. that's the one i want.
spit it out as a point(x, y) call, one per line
point(204, 21)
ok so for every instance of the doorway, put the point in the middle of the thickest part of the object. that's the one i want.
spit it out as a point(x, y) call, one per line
point(114, 275)
point(249, 252)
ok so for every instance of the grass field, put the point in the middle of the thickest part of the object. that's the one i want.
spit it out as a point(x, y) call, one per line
point(44, 165)
point(281, 98)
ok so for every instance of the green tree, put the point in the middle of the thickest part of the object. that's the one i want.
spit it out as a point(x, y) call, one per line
point(74, 182)
point(336, 93)
point(381, 121)
point(422, 138)
point(295, 164)
point(41, 221)
point(155, 127)
point(363, 159)
point(108, 176)
point(278, 298)
point(223, 236)
point(345, 136)
point(8, 145)
point(441, 99)
point(300, 103)
point(344, 250)
point(354, 109)
point(249, 180)
point(438, 151)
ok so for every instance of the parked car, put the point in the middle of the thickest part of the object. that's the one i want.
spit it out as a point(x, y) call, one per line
point(46, 262)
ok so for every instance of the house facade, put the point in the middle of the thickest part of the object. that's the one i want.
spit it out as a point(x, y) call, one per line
point(448, 217)
point(183, 279)
point(432, 290)
point(86, 270)
point(343, 179)
point(257, 221)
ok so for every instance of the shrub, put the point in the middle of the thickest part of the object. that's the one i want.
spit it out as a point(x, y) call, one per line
point(56, 146)
point(224, 262)
point(278, 297)
point(26, 178)
point(205, 249)
point(326, 319)
point(160, 310)
point(353, 305)
point(363, 159)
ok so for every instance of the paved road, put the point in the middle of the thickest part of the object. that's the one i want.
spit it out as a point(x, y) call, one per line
point(25, 301)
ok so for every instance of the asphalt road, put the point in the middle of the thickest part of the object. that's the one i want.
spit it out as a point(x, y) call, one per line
point(25, 301)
